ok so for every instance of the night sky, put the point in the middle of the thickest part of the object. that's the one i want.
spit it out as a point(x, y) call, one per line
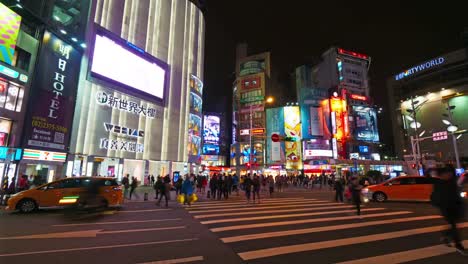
point(396, 36)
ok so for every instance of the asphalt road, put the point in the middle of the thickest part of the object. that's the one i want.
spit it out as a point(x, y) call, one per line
point(296, 226)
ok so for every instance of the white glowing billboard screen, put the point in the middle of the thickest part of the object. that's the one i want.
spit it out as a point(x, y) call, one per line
point(115, 61)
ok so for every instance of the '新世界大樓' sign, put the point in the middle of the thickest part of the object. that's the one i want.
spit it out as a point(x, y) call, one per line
point(421, 67)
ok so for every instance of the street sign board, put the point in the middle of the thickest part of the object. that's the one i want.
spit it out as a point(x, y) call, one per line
point(275, 137)
point(438, 136)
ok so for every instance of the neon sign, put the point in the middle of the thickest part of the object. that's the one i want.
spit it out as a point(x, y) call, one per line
point(353, 54)
point(337, 106)
point(423, 66)
point(358, 97)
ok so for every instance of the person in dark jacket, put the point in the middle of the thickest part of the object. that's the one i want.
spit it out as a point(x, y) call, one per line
point(158, 186)
point(213, 186)
point(339, 190)
point(133, 186)
point(165, 190)
point(248, 183)
point(446, 196)
point(356, 194)
point(256, 188)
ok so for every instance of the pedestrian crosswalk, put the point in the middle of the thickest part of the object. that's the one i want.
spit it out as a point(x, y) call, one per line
point(278, 230)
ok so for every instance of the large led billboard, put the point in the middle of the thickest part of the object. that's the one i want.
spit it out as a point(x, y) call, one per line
point(292, 129)
point(116, 60)
point(211, 129)
point(8, 33)
point(366, 124)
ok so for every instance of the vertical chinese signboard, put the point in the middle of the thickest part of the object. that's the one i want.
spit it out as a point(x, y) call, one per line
point(340, 128)
point(195, 119)
point(53, 95)
point(275, 125)
point(10, 25)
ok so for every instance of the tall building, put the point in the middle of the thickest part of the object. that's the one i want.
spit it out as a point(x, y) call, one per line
point(250, 90)
point(419, 97)
point(143, 115)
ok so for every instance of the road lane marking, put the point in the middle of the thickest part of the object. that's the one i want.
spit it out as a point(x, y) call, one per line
point(324, 229)
point(407, 256)
point(245, 205)
point(284, 216)
point(87, 233)
point(276, 251)
point(259, 207)
point(141, 230)
point(306, 221)
point(120, 222)
point(244, 201)
point(267, 211)
point(144, 211)
point(97, 247)
point(175, 261)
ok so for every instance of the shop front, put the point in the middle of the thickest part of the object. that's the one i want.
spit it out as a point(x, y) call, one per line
point(42, 166)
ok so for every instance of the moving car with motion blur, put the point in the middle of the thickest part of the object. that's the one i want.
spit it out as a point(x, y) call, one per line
point(404, 188)
point(65, 191)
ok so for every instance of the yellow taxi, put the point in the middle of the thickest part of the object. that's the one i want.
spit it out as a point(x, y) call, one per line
point(53, 194)
point(415, 188)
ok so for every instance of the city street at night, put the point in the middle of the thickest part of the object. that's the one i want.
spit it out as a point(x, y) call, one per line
point(292, 227)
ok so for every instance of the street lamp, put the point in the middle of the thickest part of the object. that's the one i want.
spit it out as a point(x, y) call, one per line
point(452, 128)
point(270, 99)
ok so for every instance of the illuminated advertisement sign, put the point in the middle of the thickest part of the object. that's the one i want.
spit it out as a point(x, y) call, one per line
point(194, 138)
point(32, 154)
point(115, 60)
point(252, 67)
point(292, 128)
point(366, 124)
point(211, 130)
point(54, 90)
point(316, 148)
point(196, 84)
point(195, 122)
point(210, 149)
point(353, 54)
point(358, 97)
point(9, 30)
point(121, 104)
point(421, 67)
point(275, 125)
point(195, 103)
point(251, 82)
point(338, 110)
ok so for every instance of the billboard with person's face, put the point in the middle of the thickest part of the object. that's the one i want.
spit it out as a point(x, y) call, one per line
point(366, 124)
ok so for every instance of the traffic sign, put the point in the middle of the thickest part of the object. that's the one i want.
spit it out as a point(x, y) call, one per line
point(275, 137)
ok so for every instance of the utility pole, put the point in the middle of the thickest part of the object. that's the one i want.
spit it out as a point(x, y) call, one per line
point(454, 138)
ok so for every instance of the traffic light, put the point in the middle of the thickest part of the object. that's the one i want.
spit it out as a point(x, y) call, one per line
point(248, 165)
point(292, 139)
point(413, 166)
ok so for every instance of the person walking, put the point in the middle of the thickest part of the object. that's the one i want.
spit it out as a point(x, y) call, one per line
point(339, 190)
point(126, 184)
point(165, 191)
point(133, 186)
point(235, 184)
point(271, 185)
point(152, 180)
point(213, 185)
point(178, 185)
point(256, 188)
point(248, 187)
point(446, 196)
point(356, 194)
point(187, 190)
point(158, 186)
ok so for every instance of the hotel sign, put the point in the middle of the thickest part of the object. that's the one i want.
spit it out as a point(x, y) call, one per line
point(424, 66)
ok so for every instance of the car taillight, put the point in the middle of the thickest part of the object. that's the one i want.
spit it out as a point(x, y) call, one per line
point(118, 188)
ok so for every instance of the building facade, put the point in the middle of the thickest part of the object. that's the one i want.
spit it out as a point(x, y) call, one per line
point(144, 114)
point(420, 98)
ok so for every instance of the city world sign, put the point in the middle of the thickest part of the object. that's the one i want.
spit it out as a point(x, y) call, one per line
point(421, 67)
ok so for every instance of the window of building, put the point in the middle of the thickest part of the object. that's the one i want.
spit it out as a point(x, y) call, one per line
point(11, 96)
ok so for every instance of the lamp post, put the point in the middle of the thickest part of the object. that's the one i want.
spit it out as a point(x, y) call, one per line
point(452, 128)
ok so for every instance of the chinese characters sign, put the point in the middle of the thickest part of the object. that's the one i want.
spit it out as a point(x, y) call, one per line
point(54, 90)
point(438, 136)
point(121, 104)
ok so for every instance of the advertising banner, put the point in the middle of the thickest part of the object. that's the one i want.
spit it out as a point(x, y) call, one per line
point(53, 101)
point(317, 148)
point(275, 125)
point(11, 23)
point(366, 124)
point(211, 129)
point(195, 122)
point(252, 67)
point(292, 128)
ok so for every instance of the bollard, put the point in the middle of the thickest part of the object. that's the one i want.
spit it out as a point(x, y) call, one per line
point(145, 197)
